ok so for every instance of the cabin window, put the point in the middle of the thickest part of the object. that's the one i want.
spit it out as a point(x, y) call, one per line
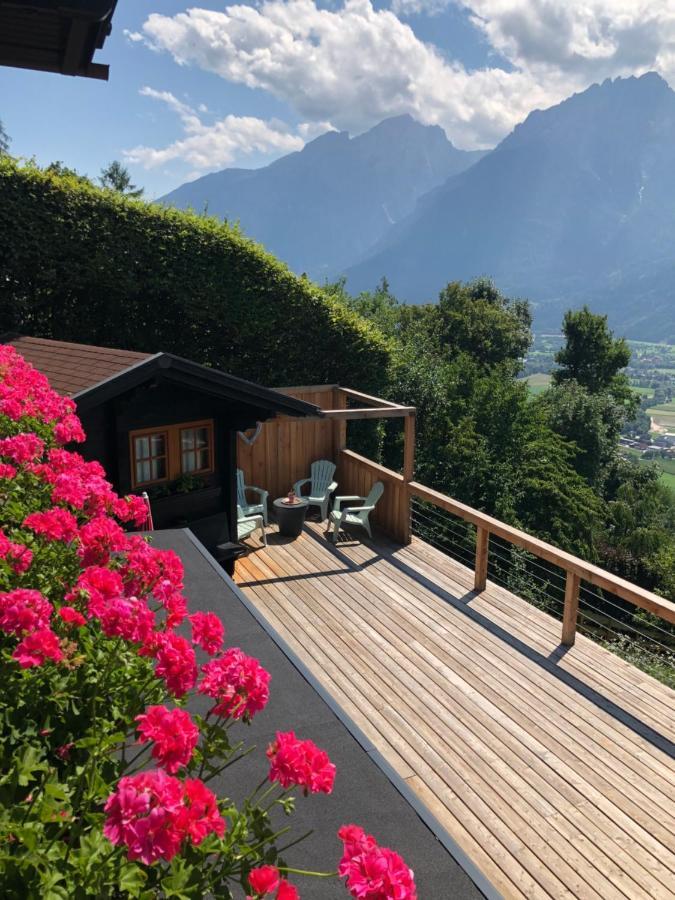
point(150, 457)
point(196, 449)
point(166, 453)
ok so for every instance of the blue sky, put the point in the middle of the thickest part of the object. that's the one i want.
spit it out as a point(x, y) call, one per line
point(193, 89)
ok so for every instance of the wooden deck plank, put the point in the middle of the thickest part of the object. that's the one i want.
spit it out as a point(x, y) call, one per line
point(557, 780)
point(442, 671)
point(552, 760)
point(649, 693)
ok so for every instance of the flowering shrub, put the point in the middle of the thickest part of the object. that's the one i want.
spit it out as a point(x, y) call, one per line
point(104, 773)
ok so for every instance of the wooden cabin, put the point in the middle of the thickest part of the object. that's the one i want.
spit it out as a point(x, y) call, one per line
point(164, 425)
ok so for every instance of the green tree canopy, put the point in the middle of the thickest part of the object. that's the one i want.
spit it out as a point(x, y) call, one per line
point(477, 319)
point(591, 355)
point(591, 422)
point(117, 178)
point(61, 170)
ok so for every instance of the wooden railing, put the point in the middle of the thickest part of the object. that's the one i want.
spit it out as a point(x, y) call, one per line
point(287, 447)
point(576, 569)
point(356, 475)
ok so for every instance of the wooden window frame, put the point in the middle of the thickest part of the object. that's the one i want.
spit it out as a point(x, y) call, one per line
point(191, 426)
point(133, 437)
point(174, 455)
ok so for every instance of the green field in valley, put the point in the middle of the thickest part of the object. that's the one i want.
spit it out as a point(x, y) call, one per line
point(667, 466)
point(663, 415)
point(538, 382)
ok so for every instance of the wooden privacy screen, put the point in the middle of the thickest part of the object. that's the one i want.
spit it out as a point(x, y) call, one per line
point(286, 448)
point(356, 475)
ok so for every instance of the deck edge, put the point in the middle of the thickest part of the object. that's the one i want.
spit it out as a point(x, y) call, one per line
point(483, 884)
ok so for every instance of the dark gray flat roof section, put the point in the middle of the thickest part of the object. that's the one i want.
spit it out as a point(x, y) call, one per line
point(367, 792)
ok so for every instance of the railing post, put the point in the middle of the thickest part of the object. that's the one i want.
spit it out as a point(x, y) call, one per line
point(339, 425)
point(408, 474)
point(482, 547)
point(569, 627)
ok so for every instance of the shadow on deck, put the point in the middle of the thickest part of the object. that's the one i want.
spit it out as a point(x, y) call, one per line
point(551, 767)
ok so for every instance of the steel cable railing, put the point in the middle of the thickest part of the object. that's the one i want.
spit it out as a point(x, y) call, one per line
point(639, 637)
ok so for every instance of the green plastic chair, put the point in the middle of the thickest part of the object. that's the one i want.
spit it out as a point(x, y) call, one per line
point(246, 525)
point(354, 515)
point(251, 509)
point(321, 485)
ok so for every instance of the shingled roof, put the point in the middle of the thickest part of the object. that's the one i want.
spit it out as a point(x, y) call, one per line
point(72, 368)
point(93, 375)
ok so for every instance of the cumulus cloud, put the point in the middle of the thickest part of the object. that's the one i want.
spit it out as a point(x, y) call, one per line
point(354, 65)
point(216, 145)
point(586, 41)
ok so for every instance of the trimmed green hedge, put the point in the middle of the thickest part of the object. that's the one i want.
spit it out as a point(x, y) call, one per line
point(83, 264)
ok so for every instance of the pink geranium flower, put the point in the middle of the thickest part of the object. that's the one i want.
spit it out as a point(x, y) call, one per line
point(153, 813)
point(25, 392)
point(296, 762)
point(22, 448)
point(131, 509)
point(142, 814)
point(237, 682)
point(265, 880)
point(176, 662)
point(200, 816)
point(207, 631)
point(129, 618)
point(174, 734)
point(71, 616)
point(69, 430)
point(99, 538)
point(37, 647)
point(373, 872)
point(7, 471)
point(18, 556)
point(23, 610)
point(99, 585)
point(54, 524)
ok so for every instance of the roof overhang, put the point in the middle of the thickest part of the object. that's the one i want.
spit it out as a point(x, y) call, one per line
point(55, 35)
point(193, 376)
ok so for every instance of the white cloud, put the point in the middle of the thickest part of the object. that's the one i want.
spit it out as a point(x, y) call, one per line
point(415, 7)
point(213, 146)
point(353, 65)
point(133, 37)
point(586, 41)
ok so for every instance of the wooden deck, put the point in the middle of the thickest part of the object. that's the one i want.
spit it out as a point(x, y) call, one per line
point(552, 768)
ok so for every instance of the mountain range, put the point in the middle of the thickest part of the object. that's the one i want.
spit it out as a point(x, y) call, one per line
point(576, 205)
point(320, 208)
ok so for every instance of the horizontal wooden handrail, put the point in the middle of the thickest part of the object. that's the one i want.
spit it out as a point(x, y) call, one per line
point(307, 389)
point(381, 471)
point(375, 412)
point(638, 596)
point(368, 398)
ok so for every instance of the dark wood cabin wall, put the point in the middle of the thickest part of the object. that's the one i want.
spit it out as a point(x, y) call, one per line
point(98, 445)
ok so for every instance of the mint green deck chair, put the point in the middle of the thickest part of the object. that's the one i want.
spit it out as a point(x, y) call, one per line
point(354, 515)
point(246, 525)
point(321, 485)
point(250, 509)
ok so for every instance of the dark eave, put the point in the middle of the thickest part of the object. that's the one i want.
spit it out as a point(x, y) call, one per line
point(55, 35)
point(199, 378)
